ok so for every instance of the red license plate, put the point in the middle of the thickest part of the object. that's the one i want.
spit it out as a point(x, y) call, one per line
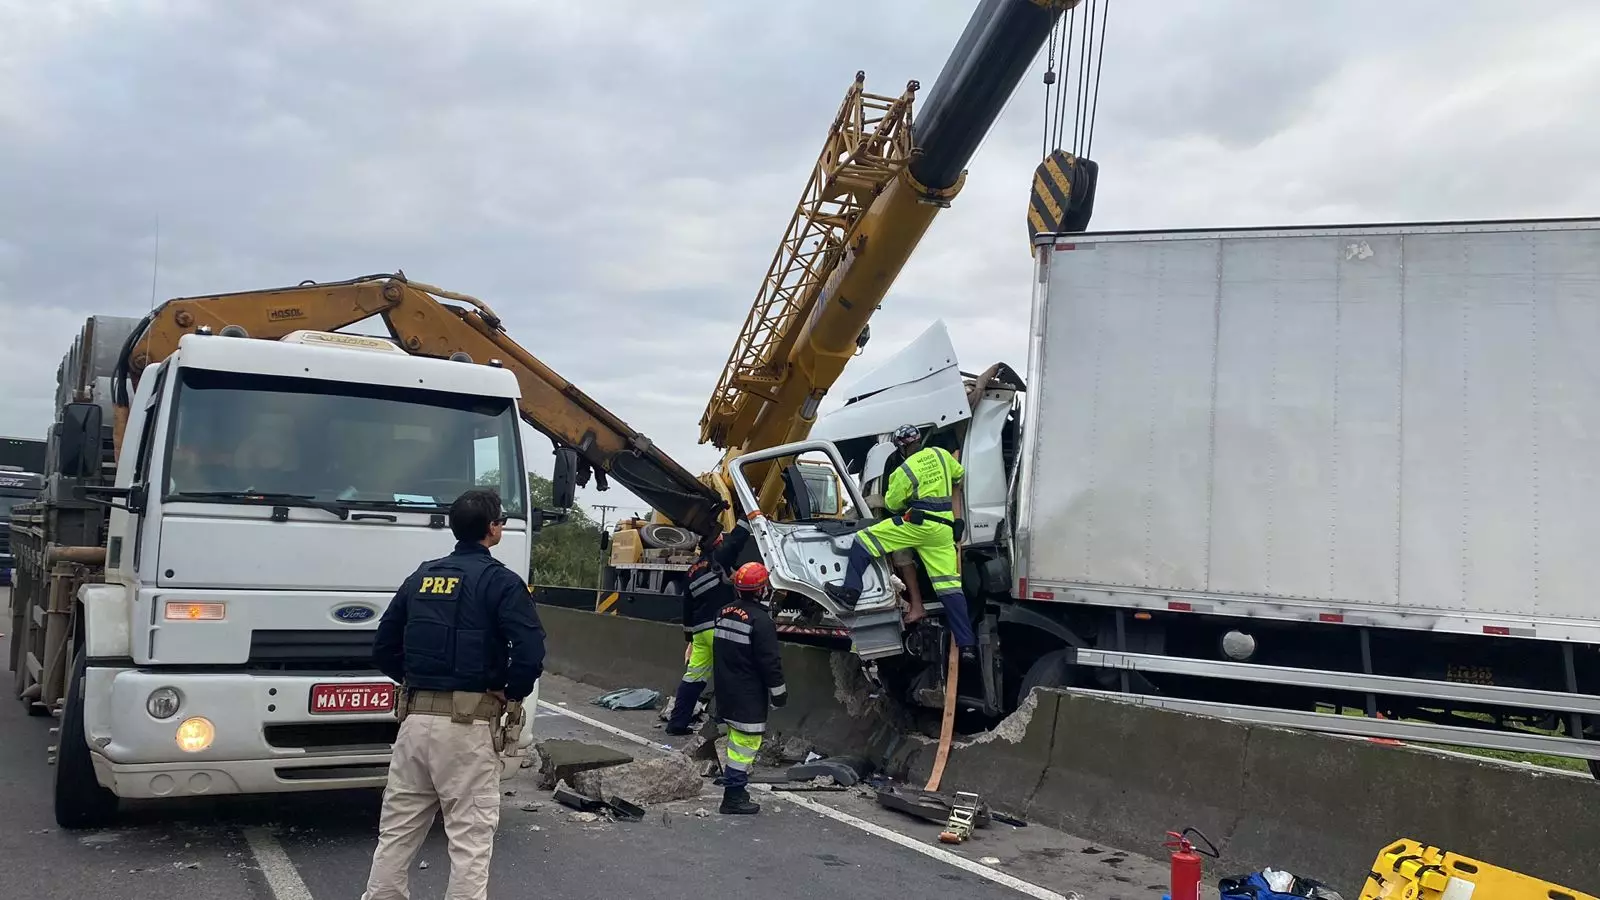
point(352, 698)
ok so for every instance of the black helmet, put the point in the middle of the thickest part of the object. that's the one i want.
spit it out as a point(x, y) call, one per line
point(906, 437)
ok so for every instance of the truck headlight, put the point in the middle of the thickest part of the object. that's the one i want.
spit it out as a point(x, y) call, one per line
point(195, 734)
point(163, 703)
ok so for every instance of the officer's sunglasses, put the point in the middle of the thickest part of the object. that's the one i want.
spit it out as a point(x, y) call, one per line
point(501, 520)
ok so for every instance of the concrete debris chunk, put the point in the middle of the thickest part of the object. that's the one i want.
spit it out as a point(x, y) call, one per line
point(781, 753)
point(561, 760)
point(697, 746)
point(661, 779)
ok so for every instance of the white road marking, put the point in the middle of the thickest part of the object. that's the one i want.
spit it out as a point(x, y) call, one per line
point(894, 837)
point(610, 729)
point(283, 879)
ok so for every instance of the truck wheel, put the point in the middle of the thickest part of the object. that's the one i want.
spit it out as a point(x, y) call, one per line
point(80, 800)
point(1049, 670)
point(667, 537)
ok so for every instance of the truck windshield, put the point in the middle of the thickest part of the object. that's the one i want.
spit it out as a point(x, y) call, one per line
point(355, 444)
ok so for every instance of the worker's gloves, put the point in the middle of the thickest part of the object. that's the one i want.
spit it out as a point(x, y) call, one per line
point(778, 696)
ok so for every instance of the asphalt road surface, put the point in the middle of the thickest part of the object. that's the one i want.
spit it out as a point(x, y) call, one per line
point(318, 846)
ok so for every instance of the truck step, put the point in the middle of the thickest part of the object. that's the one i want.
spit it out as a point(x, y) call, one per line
point(876, 634)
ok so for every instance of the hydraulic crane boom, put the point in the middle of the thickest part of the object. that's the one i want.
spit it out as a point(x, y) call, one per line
point(425, 326)
point(878, 185)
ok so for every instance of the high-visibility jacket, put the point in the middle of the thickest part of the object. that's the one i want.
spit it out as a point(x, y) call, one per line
point(706, 585)
point(925, 481)
point(747, 665)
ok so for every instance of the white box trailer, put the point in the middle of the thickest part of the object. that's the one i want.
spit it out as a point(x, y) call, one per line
point(1272, 474)
point(1393, 425)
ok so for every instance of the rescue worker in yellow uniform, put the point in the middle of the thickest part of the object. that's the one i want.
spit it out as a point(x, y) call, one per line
point(709, 588)
point(748, 666)
point(921, 499)
point(463, 640)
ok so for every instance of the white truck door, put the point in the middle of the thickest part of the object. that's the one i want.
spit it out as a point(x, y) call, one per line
point(803, 555)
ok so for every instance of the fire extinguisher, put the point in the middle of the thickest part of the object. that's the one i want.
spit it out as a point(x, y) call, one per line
point(1187, 867)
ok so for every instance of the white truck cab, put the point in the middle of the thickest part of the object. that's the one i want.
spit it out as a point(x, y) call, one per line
point(269, 498)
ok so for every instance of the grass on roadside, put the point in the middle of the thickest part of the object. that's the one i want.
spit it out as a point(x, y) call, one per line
point(1543, 760)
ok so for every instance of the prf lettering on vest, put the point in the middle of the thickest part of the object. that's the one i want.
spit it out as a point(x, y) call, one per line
point(439, 585)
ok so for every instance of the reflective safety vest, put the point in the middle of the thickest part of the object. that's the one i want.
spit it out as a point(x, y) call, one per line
point(925, 481)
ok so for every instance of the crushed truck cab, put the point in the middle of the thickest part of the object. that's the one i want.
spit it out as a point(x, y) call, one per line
point(202, 604)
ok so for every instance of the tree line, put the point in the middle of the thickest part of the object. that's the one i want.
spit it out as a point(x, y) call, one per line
point(566, 555)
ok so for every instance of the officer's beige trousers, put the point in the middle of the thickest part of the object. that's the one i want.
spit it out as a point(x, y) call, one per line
point(438, 765)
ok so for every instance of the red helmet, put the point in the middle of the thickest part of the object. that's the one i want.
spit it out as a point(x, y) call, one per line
point(751, 578)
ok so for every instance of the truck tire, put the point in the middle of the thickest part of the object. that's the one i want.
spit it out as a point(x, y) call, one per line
point(80, 800)
point(667, 537)
point(1048, 671)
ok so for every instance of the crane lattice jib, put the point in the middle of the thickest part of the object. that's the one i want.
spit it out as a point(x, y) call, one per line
point(868, 145)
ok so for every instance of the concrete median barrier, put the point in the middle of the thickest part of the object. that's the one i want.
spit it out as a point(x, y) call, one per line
point(1313, 804)
point(1124, 774)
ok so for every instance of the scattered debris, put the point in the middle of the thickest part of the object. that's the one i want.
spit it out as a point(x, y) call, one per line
point(534, 828)
point(186, 865)
point(661, 779)
point(511, 793)
point(423, 864)
point(629, 698)
point(625, 811)
point(702, 813)
point(845, 771)
point(785, 752)
point(990, 860)
point(560, 760)
point(530, 806)
point(585, 817)
point(1275, 882)
point(930, 806)
point(577, 800)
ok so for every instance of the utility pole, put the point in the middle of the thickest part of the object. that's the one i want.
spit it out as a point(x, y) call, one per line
point(604, 508)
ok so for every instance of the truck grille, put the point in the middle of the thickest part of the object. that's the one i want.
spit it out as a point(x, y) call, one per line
point(305, 649)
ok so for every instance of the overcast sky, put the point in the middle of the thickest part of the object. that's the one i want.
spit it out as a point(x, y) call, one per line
point(613, 177)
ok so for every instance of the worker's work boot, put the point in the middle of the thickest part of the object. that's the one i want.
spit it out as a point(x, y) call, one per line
point(839, 594)
point(736, 802)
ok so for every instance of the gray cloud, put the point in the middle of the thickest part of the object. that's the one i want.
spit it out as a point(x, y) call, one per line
point(613, 178)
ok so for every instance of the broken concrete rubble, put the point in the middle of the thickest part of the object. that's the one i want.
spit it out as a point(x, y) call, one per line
point(782, 752)
point(561, 760)
point(660, 779)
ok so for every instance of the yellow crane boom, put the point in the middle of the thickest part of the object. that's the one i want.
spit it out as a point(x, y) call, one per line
point(878, 183)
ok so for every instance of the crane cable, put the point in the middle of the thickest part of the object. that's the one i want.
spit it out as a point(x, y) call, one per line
point(1086, 86)
point(1062, 199)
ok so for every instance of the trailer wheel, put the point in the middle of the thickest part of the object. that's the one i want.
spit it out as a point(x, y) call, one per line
point(80, 800)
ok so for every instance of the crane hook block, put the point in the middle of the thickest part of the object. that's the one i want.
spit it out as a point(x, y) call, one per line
point(1062, 200)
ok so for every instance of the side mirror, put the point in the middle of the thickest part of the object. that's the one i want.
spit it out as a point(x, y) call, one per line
point(78, 442)
point(564, 480)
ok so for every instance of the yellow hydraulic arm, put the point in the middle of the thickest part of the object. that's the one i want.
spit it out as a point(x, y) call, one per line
point(876, 188)
point(421, 323)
